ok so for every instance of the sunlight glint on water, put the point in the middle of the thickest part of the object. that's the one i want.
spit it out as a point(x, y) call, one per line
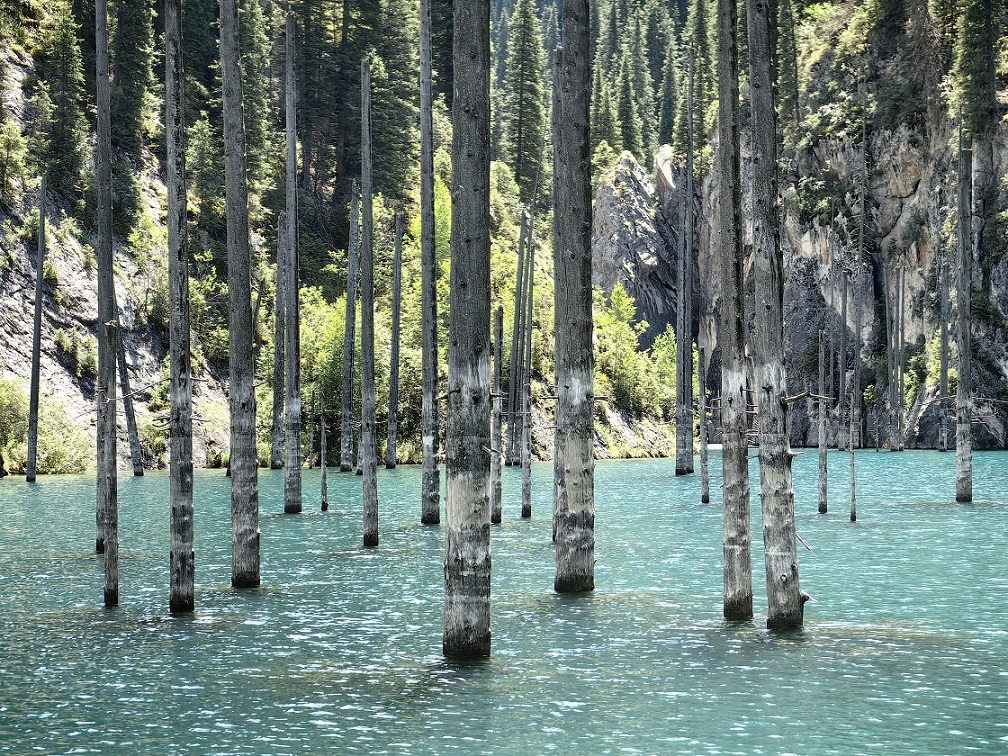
point(905, 650)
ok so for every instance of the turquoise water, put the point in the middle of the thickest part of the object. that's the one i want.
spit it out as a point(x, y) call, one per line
point(906, 649)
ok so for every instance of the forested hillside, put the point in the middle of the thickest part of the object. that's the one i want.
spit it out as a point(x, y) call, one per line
point(871, 97)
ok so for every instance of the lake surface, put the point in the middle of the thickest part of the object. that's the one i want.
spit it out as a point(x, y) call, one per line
point(904, 651)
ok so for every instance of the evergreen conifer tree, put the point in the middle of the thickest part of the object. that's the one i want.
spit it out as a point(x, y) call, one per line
point(668, 98)
point(627, 113)
point(524, 113)
point(132, 53)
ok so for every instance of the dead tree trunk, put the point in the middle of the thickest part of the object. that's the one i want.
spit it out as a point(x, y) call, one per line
point(430, 503)
point(350, 337)
point(704, 464)
point(182, 558)
point(738, 598)
point(823, 469)
point(856, 394)
point(279, 342)
point(514, 383)
point(292, 317)
point(108, 510)
point(890, 353)
point(243, 463)
point(393, 410)
point(943, 387)
point(901, 364)
point(495, 421)
point(323, 463)
point(467, 538)
point(136, 454)
point(311, 434)
point(574, 463)
point(33, 400)
point(784, 597)
point(526, 377)
point(368, 453)
point(853, 480)
point(842, 360)
point(964, 293)
point(684, 339)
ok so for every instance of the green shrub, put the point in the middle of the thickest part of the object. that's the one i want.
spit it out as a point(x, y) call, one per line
point(63, 447)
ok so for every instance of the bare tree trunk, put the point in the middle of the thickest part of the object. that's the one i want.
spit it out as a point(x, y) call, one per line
point(393, 411)
point(853, 480)
point(823, 468)
point(574, 463)
point(890, 353)
point(738, 596)
point(943, 387)
point(323, 463)
point(244, 464)
point(495, 421)
point(182, 558)
point(964, 294)
point(33, 400)
point(430, 504)
point(842, 360)
point(292, 317)
point(368, 453)
point(311, 434)
point(856, 395)
point(514, 383)
point(467, 539)
point(350, 336)
point(784, 597)
point(704, 466)
point(901, 364)
point(108, 510)
point(684, 422)
point(982, 174)
point(279, 347)
point(136, 454)
point(526, 378)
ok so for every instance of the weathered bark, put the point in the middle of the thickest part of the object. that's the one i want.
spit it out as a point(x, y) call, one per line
point(704, 465)
point(292, 316)
point(901, 364)
point(310, 460)
point(784, 598)
point(467, 539)
point(393, 410)
point(279, 346)
point(890, 355)
point(368, 453)
point(738, 596)
point(243, 464)
point(33, 399)
point(349, 337)
point(856, 395)
point(684, 315)
point(108, 510)
point(982, 175)
point(495, 421)
point(430, 496)
point(514, 383)
point(323, 463)
point(136, 454)
point(182, 558)
point(526, 378)
point(964, 293)
point(574, 463)
point(823, 470)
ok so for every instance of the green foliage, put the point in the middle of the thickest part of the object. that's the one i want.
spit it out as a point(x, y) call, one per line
point(132, 50)
point(13, 416)
point(815, 195)
point(13, 153)
point(973, 71)
point(627, 114)
point(524, 116)
point(63, 447)
point(205, 168)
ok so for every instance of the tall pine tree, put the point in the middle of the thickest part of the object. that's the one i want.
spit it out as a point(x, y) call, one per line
point(132, 53)
point(524, 113)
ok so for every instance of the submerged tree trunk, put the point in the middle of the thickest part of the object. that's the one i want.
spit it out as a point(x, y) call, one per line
point(784, 597)
point(292, 317)
point(943, 386)
point(182, 558)
point(108, 510)
point(243, 463)
point(901, 364)
point(684, 339)
point(704, 465)
point(964, 293)
point(890, 354)
point(514, 383)
point(323, 463)
point(393, 411)
point(368, 453)
point(430, 492)
point(574, 463)
point(495, 421)
point(350, 336)
point(853, 481)
point(738, 598)
point(33, 400)
point(823, 505)
point(842, 361)
point(467, 538)
point(279, 347)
